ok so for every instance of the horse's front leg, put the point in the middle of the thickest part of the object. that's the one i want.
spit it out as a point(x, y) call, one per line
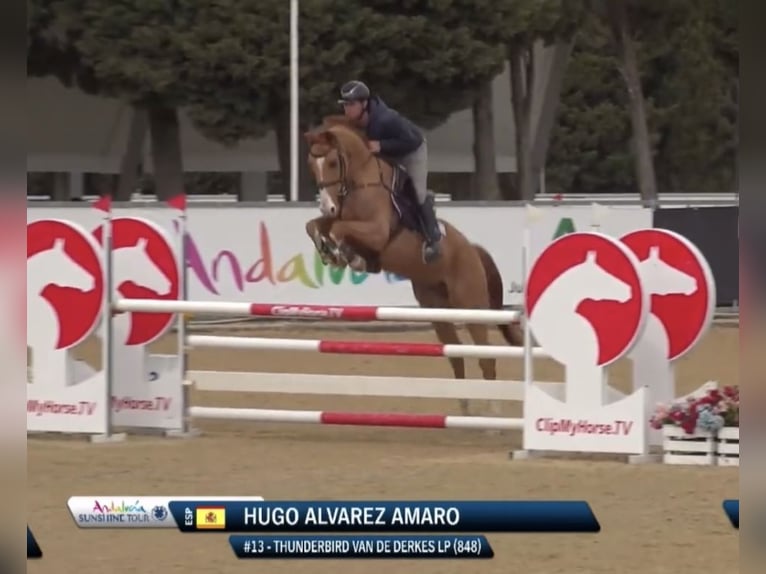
point(318, 229)
point(369, 235)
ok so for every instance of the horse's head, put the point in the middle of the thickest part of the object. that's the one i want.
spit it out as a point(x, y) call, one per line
point(329, 164)
point(336, 153)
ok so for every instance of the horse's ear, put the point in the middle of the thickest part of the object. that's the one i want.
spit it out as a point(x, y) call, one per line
point(326, 138)
point(336, 120)
point(319, 137)
point(329, 138)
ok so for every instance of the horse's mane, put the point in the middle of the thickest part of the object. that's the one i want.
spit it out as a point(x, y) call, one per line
point(337, 128)
point(334, 121)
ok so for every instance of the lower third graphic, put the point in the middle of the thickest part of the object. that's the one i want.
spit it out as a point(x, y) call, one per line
point(33, 548)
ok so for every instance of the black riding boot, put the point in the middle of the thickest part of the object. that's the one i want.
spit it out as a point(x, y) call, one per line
point(431, 231)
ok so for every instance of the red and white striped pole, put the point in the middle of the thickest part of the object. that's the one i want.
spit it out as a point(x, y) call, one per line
point(359, 313)
point(362, 347)
point(402, 420)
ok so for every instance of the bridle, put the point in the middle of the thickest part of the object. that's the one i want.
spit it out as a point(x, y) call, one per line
point(342, 180)
point(347, 186)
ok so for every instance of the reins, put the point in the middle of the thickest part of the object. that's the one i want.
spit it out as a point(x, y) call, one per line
point(347, 185)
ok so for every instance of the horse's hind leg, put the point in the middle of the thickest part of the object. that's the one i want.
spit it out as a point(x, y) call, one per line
point(430, 298)
point(468, 290)
point(480, 336)
point(447, 334)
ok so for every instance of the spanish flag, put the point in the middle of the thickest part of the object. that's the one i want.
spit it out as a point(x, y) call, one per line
point(211, 518)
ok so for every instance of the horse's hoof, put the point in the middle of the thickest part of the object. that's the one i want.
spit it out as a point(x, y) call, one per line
point(358, 264)
point(322, 248)
point(326, 259)
point(335, 253)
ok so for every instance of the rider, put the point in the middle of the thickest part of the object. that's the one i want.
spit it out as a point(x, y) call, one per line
point(394, 136)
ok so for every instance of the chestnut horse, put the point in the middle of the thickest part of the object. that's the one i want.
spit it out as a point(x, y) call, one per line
point(367, 224)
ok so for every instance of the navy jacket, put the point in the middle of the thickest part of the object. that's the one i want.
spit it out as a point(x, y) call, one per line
point(397, 135)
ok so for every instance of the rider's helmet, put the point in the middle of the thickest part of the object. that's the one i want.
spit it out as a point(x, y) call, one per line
point(354, 91)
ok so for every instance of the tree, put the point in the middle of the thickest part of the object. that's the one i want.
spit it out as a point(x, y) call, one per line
point(589, 150)
point(51, 37)
point(696, 89)
point(227, 62)
point(425, 58)
point(619, 22)
point(443, 52)
point(485, 184)
point(667, 55)
point(131, 164)
point(123, 49)
point(687, 56)
point(527, 26)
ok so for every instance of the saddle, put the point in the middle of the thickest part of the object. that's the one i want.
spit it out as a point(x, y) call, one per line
point(405, 203)
point(404, 200)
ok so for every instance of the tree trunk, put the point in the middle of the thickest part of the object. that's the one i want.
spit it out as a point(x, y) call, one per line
point(130, 167)
point(522, 80)
point(306, 187)
point(551, 99)
point(485, 184)
point(167, 161)
point(628, 65)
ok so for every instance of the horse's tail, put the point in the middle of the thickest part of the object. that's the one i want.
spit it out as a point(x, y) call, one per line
point(511, 332)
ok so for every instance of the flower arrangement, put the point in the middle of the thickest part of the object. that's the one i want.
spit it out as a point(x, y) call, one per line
point(716, 409)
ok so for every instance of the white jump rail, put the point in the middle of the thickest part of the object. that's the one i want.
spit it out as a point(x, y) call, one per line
point(361, 313)
point(372, 386)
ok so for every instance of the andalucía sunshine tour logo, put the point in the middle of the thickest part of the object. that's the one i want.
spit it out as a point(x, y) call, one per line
point(33, 548)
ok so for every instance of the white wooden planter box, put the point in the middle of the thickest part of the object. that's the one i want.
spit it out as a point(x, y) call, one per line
point(682, 448)
point(728, 446)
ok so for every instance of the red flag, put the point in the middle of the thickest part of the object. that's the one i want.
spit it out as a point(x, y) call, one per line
point(178, 202)
point(103, 203)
